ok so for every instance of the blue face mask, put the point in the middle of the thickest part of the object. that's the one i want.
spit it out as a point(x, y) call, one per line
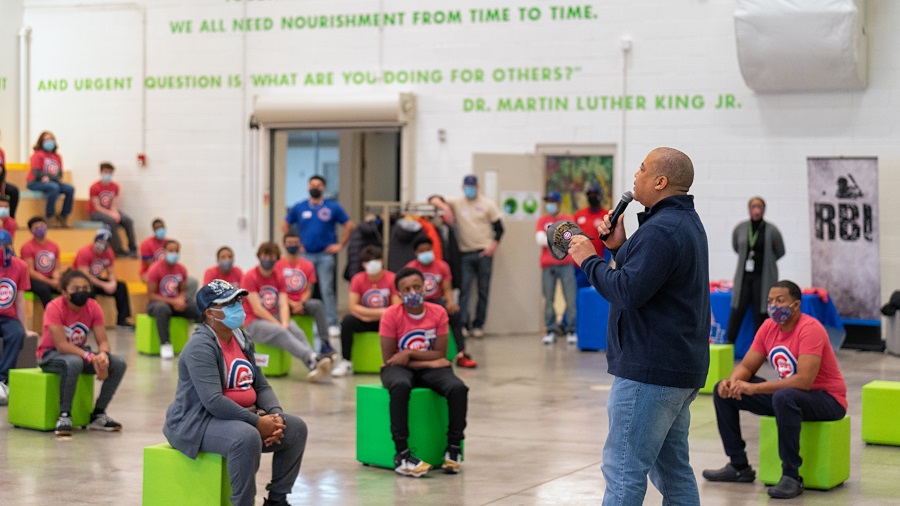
point(293, 250)
point(413, 300)
point(48, 145)
point(4, 212)
point(470, 191)
point(552, 207)
point(779, 314)
point(171, 258)
point(160, 233)
point(106, 177)
point(226, 265)
point(234, 316)
point(426, 257)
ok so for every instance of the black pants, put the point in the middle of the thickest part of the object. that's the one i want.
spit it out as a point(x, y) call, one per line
point(455, 325)
point(350, 325)
point(123, 310)
point(44, 291)
point(12, 191)
point(751, 291)
point(789, 406)
point(401, 380)
point(163, 312)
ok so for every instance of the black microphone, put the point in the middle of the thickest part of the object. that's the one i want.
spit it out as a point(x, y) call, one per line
point(626, 199)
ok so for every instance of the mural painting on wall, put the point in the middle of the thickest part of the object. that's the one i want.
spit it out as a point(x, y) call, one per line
point(572, 175)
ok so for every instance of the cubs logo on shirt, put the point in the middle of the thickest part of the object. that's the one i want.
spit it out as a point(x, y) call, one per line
point(295, 280)
point(169, 284)
point(432, 283)
point(581, 219)
point(268, 296)
point(7, 293)
point(240, 374)
point(106, 198)
point(417, 340)
point(77, 334)
point(51, 166)
point(375, 298)
point(783, 362)
point(161, 252)
point(97, 267)
point(44, 261)
point(324, 214)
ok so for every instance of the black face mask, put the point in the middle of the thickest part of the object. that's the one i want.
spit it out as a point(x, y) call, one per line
point(267, 265)
point(594, 200)
point(315, 193)
point(79, 298)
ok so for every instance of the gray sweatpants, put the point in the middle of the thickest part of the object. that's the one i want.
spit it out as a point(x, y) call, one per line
point(69, 367)
point(241, 445)
point(316, 309)
point(293, 340)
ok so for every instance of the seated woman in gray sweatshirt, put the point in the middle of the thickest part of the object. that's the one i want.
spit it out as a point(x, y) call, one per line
point(223, 403)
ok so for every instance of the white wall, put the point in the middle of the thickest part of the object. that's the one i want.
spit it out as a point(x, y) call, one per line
point(196, 138)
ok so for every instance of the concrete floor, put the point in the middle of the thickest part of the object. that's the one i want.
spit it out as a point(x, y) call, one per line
point(537, 423)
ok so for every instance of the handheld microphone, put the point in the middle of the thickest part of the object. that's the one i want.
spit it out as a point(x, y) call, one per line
point(626, 199)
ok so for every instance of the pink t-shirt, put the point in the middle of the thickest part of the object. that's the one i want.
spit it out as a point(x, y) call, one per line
point(374, 294)
point(43, 255)
point(298, 276)
point(12, 280)
point(151, 249)
point(50, 164)
point(547, 259)
point(234, 276)
point(589, 221)
point(268, 288)
point(238, 374)
point(105, 193)
point(809, 337)
point(412, 333)
point(435, 273)
point(96, 264)
point(168, 278)
point(77, 324)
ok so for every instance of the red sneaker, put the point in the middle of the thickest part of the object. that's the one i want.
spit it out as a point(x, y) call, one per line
point(467, 362)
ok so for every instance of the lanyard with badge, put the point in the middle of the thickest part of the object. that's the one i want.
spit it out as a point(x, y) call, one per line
point(752, 237)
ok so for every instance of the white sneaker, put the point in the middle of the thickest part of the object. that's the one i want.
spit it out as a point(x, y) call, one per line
point(548, 339)
point(166, 351)
point(344, 368)
point(4, 394)
point(572, 338)
point(321, 370)
point(334, 331)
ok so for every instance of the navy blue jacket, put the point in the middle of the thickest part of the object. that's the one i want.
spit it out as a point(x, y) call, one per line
point(659, 298)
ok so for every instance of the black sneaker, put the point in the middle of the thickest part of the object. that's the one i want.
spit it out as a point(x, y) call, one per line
point(269, 502)
point(407, 464)
point(731, 474)
point(63, 426)
point(787, 488)
point(104, 422)
point(452, 459)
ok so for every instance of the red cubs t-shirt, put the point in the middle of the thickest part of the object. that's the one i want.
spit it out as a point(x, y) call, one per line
point(105, 193)
point(809, 337)
point(233, 277)
point(44, 255)
point(152, 249)
point(298, 275)
point(12, 280)
point(414, 333)
point(96, 264)
point(435, 273)
point(547, 259)
point(77, 324)
point(168, 278)
point(374, 294)
point(589, 221)
point(9, 224)
point(50, 165)
point(238, 374)
point(268, 288)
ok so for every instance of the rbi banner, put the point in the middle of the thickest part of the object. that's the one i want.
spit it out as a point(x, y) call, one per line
point(843, 201)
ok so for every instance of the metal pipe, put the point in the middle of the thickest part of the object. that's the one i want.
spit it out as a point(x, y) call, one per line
point(24, 90)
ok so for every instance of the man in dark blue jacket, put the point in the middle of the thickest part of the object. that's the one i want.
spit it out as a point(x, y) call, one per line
point(658, 336)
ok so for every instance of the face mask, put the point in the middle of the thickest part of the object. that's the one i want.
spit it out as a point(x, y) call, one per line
point(594, 201)
point(426, 257)
point(106, 177)
point(160, 233)
point(4, 212)
point(293, 250)
point(100, 247)
point(171, 258)
point(226, 265)
point(40, 232)
point(779, 314)
point(373, 267)
point(234, 316)
point(267, 264)
point(48, 145)
point(315, 193)
point(470, 191)
point(79, 298)
point(552, 207)
point(413, 300)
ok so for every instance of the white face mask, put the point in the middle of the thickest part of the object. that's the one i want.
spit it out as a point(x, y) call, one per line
point(373, 267)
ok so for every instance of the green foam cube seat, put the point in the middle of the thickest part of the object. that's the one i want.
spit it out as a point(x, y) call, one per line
point(305, 322)
point(721, 363)
point(880, 423)
point(366, 352)
point(272, 361)
point(824, 448)
point(171, 478)
point(34, 399)
point(428, 419)
point(147, 336)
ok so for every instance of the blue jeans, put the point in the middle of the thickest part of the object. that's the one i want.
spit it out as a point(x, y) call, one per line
point(324, 263)
point(13, 338)
point(566, 276)
point(648, 433)
point(475, 268)
point(53, 189)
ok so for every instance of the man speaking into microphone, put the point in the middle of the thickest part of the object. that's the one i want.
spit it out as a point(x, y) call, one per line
point(658, 335)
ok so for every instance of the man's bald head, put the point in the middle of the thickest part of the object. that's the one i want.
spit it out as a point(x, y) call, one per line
point(676, 166)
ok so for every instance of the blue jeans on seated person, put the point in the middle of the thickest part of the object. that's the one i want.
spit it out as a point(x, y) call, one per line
point(13, 338)
point(53, 189)
point(648, 433)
